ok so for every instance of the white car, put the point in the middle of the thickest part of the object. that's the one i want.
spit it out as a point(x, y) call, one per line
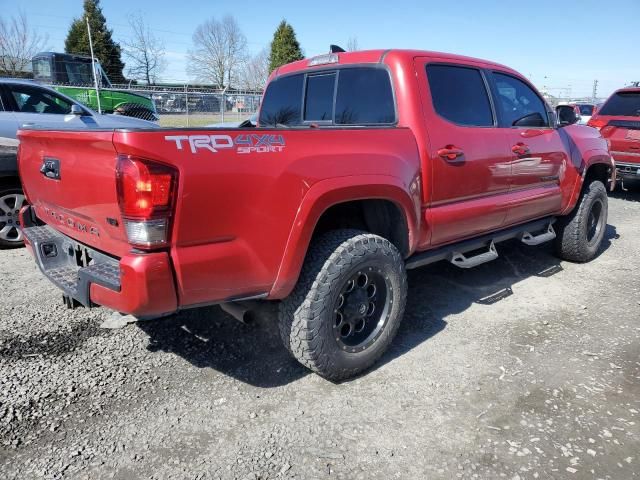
point(24, 103)
point(583, 110)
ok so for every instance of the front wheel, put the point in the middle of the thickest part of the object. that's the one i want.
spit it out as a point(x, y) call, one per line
point(580, 233)
point(347, 305)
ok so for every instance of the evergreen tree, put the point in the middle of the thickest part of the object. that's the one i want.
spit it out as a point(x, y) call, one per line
point(284, 47)
point(105, 49)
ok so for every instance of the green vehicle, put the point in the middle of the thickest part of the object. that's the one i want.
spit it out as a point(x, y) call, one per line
point(72, 76)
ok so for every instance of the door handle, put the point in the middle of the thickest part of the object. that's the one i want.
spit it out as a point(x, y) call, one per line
point(520, 149)
point(450, 153)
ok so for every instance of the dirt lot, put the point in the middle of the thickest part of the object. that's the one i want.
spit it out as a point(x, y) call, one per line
point(522, 368)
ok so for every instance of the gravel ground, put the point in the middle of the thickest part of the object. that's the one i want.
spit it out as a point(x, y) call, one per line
point(522, 368)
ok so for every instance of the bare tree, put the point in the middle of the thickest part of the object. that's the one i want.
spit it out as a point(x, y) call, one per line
point(18, 44)
point(219, 52)
point(144, 51)
point(255, 71)
point(352, 44)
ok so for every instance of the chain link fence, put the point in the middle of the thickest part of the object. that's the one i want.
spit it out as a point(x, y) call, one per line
point(187, 106)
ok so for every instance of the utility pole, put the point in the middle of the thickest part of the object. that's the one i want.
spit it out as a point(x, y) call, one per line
point(594, 94)
point(93, 67)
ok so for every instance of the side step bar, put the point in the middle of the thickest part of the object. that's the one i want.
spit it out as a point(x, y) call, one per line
point(459, 259)
point(529, 239)
point(455, 253)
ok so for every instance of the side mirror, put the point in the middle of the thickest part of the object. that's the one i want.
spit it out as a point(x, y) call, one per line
point(533, 119)
point(566, 115)
point(77, 110)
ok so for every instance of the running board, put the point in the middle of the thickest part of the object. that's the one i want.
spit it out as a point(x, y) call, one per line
point(530, 239)
point(447, 252)
point(460, 260)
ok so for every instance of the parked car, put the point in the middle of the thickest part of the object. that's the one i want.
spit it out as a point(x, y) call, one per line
point(363, 165)
point(72, 75)
point(619, 123)
point(583, 110)
point(26, 103)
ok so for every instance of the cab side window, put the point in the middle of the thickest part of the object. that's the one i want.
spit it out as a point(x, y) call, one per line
point(459, 94)
point(319, 98)
point(518, 104)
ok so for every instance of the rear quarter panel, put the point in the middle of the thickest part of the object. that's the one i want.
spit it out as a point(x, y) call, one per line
point(236, 211)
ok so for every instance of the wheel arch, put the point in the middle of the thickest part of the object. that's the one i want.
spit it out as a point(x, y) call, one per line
point(597, 165)
point(10, 181)
point(386, 205)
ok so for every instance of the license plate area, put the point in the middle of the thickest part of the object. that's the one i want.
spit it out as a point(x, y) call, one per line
point(72, 266)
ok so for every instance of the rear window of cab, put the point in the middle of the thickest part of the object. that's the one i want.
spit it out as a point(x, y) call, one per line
point(625, 104)
point(344, 96)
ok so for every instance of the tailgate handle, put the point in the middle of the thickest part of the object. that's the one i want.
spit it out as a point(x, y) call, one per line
point(51, 168)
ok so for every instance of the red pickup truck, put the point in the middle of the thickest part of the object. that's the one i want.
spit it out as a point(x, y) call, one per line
point(363, 165)
point(619, 123)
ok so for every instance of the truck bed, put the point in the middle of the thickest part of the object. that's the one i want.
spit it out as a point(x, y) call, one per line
point(238, 194)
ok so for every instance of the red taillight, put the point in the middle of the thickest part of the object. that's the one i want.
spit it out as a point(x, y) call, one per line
point(596, 122)
point(606, 131)
point(145, 195)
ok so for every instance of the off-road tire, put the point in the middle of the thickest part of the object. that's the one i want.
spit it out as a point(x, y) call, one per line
point(306, 317)
point(572, 241)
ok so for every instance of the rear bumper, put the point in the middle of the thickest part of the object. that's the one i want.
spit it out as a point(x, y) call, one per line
point(138, 284)
point(628, 170)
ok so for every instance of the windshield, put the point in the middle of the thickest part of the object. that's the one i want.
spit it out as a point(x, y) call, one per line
point(42, 68)
point(78, 73)
point(623, 104)
point(586, 109)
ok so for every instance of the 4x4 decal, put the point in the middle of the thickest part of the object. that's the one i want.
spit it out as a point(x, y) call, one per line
point(242, 143)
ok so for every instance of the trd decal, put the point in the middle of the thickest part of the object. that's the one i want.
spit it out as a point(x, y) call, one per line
point(243, 143)
point(213, 143)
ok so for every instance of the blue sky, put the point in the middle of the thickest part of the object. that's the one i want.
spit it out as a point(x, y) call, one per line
point(559, 44)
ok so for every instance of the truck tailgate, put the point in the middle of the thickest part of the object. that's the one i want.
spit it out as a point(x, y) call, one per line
point(624, 138)
point(69, 177)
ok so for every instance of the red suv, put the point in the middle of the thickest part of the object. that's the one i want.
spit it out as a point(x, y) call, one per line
point(619, 123)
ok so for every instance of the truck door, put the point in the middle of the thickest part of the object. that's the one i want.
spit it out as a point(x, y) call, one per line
point(538, 154)
point(468, 170)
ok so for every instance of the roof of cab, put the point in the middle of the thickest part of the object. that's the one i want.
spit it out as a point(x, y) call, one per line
point(378, 56)
point(628, 90)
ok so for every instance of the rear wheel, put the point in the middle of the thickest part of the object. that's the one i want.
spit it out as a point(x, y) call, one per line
point(347, 305)
point(11, 201)
point(580, 233)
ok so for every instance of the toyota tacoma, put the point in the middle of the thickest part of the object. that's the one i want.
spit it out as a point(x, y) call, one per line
point(362, 165)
